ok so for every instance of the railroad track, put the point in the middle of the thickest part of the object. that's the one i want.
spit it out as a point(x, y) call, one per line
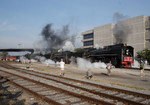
point(146, 69)
point(70, 91)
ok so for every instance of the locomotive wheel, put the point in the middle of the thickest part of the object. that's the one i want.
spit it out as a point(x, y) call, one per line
point(92, 59)
point(114, 62)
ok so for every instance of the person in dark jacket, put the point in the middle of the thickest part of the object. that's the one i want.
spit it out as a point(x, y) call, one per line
point(89, 74)
point(142, 66)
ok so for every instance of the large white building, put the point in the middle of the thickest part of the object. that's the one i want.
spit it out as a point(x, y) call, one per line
point(134, 32)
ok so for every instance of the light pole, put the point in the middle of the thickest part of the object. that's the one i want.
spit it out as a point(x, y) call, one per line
point(19, 45)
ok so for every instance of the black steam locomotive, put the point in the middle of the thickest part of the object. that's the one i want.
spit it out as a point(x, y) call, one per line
point(120, 55)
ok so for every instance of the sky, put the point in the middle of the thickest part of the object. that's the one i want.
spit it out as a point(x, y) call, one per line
point(22, 21)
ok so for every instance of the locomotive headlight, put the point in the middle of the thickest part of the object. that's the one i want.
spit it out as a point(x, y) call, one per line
point(127, 52)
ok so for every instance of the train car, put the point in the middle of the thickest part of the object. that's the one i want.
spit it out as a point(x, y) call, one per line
point(120, 55)
point(65, 55)
point(11, 58)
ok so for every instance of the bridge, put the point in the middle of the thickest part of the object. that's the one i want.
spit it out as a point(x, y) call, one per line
point(17, 50)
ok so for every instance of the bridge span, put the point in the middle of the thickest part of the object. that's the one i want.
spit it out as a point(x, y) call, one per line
point(16, 50)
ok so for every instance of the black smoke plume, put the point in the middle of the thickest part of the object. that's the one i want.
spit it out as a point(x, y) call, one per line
point(53, 38)
point(121, 29)
point(118, 17)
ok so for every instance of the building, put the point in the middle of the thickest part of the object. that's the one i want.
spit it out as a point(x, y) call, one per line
point(134, 31)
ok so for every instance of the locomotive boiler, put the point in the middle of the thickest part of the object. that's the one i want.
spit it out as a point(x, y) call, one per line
point(65, 55)
point(120, 55)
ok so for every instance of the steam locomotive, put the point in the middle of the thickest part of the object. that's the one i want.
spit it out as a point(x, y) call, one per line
point(120, 55)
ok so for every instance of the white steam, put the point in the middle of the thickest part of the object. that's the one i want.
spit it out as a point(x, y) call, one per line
point(40, 46)
point(83, 63)
point(68, 46)
point(45, 61)
point(97, 46)
point(24, 59)
point(48, 62)
point(40, 58)
point(33, 60)
point(73, 60)
point(136, 64)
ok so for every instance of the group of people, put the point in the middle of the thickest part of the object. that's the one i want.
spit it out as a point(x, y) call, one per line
point(142, 67)
point(89, 73)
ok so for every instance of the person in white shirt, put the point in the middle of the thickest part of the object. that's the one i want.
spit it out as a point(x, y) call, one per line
point(146, 62)
point(62, 67)
point(109, 67)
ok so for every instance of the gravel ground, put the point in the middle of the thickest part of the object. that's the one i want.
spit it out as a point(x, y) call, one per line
point(124, 78)
point(119, 77)
point(11, 95)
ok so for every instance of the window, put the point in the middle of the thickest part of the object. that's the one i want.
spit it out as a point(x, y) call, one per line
point(148, 40)
point(88, 43)
point(88, 36)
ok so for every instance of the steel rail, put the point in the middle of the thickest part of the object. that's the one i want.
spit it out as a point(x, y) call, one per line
point(92, 91)
point(89, 99)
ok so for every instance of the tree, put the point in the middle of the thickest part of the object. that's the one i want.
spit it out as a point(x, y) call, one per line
point(144, 54)
point(4, 54)
point(77, 49)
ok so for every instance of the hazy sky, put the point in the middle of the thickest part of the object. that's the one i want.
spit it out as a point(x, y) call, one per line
point(21, 21)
